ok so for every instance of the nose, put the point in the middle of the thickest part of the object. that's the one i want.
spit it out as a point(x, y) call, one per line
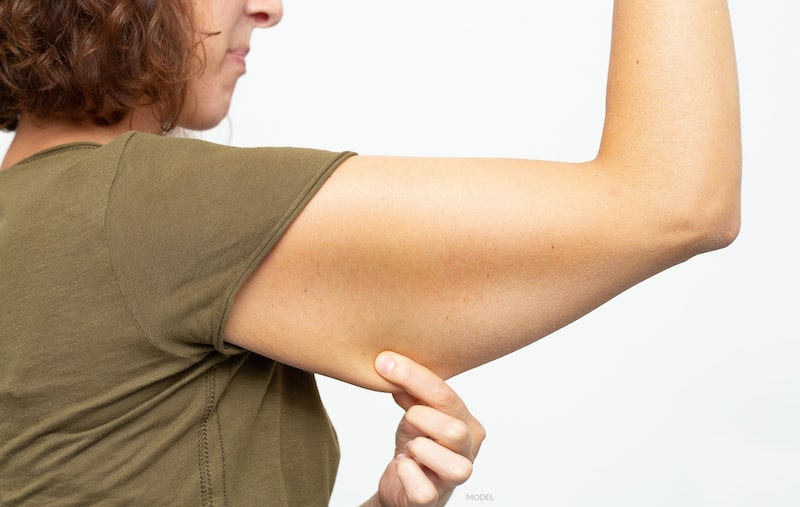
point(265, 13)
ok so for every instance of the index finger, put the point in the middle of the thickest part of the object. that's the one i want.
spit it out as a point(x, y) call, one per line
point(420, 382)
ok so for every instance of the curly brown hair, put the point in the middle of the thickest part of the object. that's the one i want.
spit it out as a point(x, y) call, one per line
point(95, 59)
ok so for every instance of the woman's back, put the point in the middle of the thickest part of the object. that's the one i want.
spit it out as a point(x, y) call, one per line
point(112, 386)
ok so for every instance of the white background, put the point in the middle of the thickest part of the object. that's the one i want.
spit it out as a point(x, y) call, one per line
point(685, 391)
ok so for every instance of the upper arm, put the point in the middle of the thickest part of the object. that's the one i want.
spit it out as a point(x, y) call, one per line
point(455, 262)
point(451, 262)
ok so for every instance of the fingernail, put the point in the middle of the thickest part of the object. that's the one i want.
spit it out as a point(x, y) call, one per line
point(385, 363)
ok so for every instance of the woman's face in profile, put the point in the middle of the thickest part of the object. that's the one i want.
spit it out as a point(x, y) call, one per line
point(225, 28)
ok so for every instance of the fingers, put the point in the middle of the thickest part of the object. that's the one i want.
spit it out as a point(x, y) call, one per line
point(438, 437)
point(419, 382)
point(419, 489)
point(449, 466)
point(450, 432)
point(405, 400)
point(422, 388)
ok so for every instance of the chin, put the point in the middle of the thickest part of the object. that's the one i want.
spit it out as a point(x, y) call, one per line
point(205, 121)
point(201, 123)
point(204, 118)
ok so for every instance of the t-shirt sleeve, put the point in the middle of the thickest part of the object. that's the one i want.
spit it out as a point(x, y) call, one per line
point(187, 223)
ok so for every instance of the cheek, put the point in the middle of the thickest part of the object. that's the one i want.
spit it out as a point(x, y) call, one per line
point(212, 53)
point(210, 92)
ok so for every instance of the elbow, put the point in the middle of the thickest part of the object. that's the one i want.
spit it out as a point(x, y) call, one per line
point(696, 229)
point(712, 212)
point(726, 229)
point(722, 231)
point(718, 198)
point(721, 207)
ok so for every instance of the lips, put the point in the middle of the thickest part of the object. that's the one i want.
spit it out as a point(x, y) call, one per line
point(239, 56)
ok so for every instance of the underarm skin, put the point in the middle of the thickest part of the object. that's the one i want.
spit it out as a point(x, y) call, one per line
point(455, 262)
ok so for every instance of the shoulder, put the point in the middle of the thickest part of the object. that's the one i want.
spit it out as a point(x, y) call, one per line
point(199, 154)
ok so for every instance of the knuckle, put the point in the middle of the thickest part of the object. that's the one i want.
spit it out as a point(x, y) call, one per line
point(443, 396)
point(461, 471)
point(423, 495)
point(456, 431)
point(478, 432)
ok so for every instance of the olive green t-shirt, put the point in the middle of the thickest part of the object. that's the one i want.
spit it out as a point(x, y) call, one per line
point(118, 265)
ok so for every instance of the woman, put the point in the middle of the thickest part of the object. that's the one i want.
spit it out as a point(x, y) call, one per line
point(196, 256)
point(99, 407)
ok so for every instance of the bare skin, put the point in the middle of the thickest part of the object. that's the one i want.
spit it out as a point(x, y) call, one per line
point(457, 262)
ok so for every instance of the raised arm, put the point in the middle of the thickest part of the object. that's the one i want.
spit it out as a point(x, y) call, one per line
point(456, 262)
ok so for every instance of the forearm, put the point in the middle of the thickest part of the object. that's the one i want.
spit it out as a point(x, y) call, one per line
point(672, 122)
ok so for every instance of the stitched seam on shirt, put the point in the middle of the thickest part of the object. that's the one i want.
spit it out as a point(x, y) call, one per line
point(58, 151)
point(204, 468)
point(221, 446)
point(222, 458)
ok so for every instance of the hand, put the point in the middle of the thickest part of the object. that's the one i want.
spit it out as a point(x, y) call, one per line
point(436, 441)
